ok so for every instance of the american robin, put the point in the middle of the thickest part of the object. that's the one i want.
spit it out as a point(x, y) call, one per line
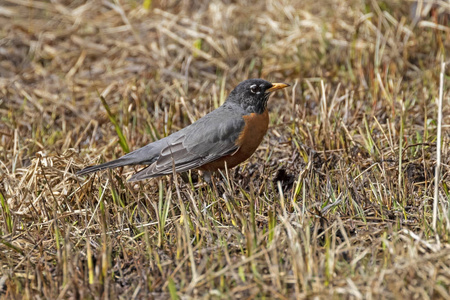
point(223, 138)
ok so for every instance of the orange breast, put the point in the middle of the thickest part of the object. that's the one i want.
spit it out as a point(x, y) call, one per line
point(255, 128)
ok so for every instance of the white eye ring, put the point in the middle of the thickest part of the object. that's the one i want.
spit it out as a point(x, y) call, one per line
point(254, 89)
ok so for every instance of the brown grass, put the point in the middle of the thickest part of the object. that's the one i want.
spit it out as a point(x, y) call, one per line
point(336, 203)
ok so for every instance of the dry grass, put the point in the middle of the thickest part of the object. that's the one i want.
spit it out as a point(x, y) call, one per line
point(337, 201)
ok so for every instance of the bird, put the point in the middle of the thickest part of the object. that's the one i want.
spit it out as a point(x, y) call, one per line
point(223, 138)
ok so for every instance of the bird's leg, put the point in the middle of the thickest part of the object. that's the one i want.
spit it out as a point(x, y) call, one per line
point(207, 177)
point(185, 177)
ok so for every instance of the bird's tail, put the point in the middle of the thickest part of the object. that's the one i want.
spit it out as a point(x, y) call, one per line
point(142, 156)
point(123, 161)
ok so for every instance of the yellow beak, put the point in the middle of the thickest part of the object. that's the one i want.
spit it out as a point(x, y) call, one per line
point(277, 86)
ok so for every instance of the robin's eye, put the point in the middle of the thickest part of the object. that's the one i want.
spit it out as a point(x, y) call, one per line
point(254, 89)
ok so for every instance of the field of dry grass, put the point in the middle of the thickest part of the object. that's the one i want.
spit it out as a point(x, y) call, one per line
point(336, 203)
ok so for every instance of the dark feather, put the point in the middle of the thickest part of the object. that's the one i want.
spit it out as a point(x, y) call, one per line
point(202, 143)
point(206, 140)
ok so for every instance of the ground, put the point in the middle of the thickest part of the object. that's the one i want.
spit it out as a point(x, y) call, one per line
point(337, 202)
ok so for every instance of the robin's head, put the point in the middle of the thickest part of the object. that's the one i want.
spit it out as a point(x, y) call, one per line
point(252, 94)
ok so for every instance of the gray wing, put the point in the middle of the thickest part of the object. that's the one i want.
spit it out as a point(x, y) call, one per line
point(206, 140)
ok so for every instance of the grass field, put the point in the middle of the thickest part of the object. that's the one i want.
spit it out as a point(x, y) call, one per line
point(337, 202)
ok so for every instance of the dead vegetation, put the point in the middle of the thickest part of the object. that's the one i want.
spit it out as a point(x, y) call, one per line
point(336, 203)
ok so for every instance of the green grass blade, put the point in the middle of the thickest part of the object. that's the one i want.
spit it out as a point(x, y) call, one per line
point(122, 140)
